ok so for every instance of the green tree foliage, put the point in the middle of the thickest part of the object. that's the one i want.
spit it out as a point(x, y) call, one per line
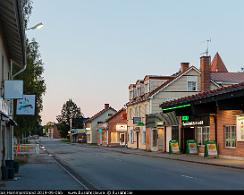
point(69, 111)
point(34, 83)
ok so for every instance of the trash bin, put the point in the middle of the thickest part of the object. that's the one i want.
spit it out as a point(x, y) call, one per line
point(16, 167)
point(10, 168)
point(4, 172)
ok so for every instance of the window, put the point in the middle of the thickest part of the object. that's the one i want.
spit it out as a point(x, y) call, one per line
point(175, 133)
point(113, 137)
point(230, 136)
point(131, 95)
point(146, 88)
point(110, 114)
point(143, 140)
point(131, 136)
point(202, 135)
point(192, 83)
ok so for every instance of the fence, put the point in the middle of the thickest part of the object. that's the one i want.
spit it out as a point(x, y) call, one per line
point(20, 149)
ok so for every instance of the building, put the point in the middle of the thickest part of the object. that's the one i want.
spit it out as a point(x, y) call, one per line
point(216, 115)
point(92, 124)
point(12, 54)
point(114, 132)
point(214, 75)
point(145, 129)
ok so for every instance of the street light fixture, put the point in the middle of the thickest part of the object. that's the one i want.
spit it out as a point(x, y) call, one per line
point(37, 26)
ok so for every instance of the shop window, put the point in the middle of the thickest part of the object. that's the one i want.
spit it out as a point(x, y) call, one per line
point(143, 137)
point(202, 135)
point(230, 136)
point(175, 133)
point(131, 136)
point(114, 137)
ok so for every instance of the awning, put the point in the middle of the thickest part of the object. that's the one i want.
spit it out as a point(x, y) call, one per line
point(6, 118)
point(162, 119)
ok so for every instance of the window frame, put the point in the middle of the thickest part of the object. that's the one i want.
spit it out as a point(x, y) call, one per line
point(201, 128)
point(192, 79)
point(234, 140)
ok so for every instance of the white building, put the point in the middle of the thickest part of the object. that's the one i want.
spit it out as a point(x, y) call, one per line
point(12, 55)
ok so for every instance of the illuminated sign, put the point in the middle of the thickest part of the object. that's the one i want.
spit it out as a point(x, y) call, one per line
point(185, 118)
point(192, 123)
point(240, 128)
point(177, 107)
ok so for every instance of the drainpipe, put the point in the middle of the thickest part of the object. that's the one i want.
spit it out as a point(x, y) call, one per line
point(17, 73)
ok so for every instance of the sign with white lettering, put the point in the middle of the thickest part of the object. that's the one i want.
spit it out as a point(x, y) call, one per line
point(240, 128)
point(192, 123)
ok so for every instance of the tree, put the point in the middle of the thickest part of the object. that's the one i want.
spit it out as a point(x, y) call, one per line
point(69, 111)
point(34, 83)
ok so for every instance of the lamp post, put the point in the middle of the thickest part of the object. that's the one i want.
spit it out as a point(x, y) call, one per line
point(37, 26)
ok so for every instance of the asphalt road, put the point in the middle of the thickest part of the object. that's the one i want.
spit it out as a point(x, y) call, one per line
point(105, 169)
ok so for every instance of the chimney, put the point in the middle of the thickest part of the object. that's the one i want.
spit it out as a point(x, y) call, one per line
point(205, 62)
point(106, 106)
point(184, 66)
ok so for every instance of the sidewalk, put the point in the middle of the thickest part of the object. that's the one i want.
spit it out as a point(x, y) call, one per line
point(232, 163)
point(41, 172)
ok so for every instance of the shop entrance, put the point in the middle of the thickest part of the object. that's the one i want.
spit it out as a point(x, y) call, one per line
point(188, 133)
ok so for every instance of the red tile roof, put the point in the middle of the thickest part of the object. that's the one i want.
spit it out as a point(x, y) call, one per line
point(115, 114)
point(203, 95)
point(229, 77)
point(217, 64)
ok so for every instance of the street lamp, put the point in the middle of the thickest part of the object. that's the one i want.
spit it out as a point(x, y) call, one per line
point(37, 26)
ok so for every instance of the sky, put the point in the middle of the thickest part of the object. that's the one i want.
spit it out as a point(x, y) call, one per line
point(93, 49)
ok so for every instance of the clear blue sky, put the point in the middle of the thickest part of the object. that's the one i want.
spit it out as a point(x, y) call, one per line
point(93, 49)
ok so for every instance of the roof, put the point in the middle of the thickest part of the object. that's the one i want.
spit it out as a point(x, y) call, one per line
point(117, 113)
point(228, 77)
point(11, 19)
point(100, 113)
point(217, 64)
point(203, 95)
point(145, 97)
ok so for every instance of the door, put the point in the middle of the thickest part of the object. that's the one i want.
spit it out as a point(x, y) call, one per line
point(188, 133)
point(168, 137)
point(137, 140)
point(154, 140)
point(161, 140)
point(122, 139)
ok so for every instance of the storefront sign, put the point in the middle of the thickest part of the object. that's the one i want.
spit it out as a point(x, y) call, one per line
point(211, 149)
point(192, 123)
point(100, 130)
point(174, 147)
point(191, 147)
point(185, 118)
point(26, 105)
point(121, 127)
point(240, 128)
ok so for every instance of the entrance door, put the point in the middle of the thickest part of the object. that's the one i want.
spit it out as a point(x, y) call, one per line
point(137, 140)
point(161, 140)
point(122, 139)
point(188, 133)
point(154, 140)
point(168, 137)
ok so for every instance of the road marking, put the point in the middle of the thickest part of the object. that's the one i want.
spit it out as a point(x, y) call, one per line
point(187, 176)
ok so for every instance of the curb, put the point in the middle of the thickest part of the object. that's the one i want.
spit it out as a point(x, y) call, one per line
point(191, 161)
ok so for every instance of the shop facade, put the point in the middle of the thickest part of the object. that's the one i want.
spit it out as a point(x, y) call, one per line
point(215, 115)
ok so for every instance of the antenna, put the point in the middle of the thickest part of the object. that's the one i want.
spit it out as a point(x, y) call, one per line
point(206, 52)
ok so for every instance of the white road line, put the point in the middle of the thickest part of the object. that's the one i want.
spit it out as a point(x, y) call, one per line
point(187, 176)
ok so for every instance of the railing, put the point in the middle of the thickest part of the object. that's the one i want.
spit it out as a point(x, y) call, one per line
point(20, 149)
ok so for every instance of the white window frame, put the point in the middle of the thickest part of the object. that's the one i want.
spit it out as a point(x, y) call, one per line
point(192, 79)
point(131, 136)
point(143, 137)
point(231, 139)
point(200, 134)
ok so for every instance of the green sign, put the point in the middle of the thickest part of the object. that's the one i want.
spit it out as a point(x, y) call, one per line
point(185, 118)
point(100, 130)
point(140, 124)
point(191, 147)
point(174, 147)
point(211, 149)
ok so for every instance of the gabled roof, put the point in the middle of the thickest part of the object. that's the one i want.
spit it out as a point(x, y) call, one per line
point(217, 64)
point(203, 95)
point(228, 77)
point(117, 113)
point(100, 113)
point(171, 80)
